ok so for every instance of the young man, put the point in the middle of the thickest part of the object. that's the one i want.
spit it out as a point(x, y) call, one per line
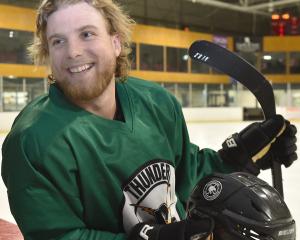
point(97, 156)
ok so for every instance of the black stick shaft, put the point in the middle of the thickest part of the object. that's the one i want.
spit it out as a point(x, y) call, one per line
point(277, 177)
point(236, 67)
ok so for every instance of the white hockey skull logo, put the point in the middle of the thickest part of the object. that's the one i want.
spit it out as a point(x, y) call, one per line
point(212, 190)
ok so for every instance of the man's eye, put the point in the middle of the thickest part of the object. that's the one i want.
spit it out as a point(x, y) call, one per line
point(56, 42)
point(87, 34)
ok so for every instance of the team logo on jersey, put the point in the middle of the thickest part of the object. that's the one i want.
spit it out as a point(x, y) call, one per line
point(150, 195)
point(212, 190)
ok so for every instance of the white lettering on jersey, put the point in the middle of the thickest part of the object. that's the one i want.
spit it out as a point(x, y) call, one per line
point(150, 195)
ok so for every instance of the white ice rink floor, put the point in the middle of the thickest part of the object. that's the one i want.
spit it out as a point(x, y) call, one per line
point(211, 135)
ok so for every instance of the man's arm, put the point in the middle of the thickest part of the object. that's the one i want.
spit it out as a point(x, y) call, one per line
point(192, 163)
point(42, 213)
point(46, 206)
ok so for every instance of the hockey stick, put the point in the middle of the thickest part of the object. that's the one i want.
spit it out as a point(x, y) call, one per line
point(236, 67)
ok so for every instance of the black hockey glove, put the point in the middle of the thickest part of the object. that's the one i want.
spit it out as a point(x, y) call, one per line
point(284, 148)
point(200, 229)
point(256, 146)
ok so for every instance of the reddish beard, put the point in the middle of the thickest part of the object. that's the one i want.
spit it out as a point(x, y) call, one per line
point(78, 91)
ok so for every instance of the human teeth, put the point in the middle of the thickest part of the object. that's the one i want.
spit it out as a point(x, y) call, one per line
point(80, 68)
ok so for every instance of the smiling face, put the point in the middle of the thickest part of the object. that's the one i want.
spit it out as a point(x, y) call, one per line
point(82, 53)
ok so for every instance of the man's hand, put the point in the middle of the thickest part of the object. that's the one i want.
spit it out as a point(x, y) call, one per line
point(200, 229)
point(284, 148)
point(256, 146)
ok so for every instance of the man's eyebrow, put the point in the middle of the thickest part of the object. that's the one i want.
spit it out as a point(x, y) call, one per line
point(57, 35)
point(86, 27)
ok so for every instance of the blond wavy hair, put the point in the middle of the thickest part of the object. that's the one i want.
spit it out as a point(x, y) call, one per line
point(117, 21)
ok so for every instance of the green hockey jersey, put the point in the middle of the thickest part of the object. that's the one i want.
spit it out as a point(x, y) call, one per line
point(71, 174)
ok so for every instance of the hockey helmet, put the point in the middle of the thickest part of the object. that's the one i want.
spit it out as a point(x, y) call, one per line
point(243, 207)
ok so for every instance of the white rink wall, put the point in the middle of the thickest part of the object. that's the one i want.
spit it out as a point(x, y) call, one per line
point(227, 114)
point(218, 114)
point(6, 120)
point(214, 114)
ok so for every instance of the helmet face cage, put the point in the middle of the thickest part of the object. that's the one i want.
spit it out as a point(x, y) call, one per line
point(235, 223)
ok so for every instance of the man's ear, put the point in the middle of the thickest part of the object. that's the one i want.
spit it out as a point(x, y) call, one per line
point(116, 44)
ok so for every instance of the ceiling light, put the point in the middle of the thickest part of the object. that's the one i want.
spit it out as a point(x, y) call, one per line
point(285, 16)
point(267, 57)
point(11, 34)
point(185, 57)
point(275, 17)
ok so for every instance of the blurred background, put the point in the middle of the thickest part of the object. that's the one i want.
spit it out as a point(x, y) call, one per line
point(264, 32)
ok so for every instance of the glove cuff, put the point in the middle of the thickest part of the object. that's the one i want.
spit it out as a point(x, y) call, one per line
point(246, 150)
point(187, 229)
point(143, 231)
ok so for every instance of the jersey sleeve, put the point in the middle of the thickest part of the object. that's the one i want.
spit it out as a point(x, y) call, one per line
point(192, 163)
point(45, 205)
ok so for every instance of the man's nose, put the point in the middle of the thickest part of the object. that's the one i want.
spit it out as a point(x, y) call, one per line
point(74, 48)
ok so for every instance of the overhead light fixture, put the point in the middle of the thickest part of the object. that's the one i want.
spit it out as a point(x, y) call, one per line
point(275, 16)
point(185, 57)
point(267, 57)
point(285, 16)
point(11, 34)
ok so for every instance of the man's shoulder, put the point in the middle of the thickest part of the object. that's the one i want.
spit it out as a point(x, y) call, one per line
point(143, 84)
point(150, 95)
point(31, 113)
point(24, 131)
point(40, 120)
point(149, 89)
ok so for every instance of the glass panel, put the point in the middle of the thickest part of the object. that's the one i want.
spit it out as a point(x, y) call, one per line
point(183, 94)
point(177, 59)
point(295, 89)
point(250, 57)
point(171, 87)
point(273, 62)
point(34, 87)
point(215, 96)
point(230, 94)
point(132, 56)
point(198, 95)
point(13, 46)
point(280, 93)
point(295, 62)
point(14, 98)
point(151, 57)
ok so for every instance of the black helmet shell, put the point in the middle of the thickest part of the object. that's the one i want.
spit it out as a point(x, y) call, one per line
point(243, 206)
